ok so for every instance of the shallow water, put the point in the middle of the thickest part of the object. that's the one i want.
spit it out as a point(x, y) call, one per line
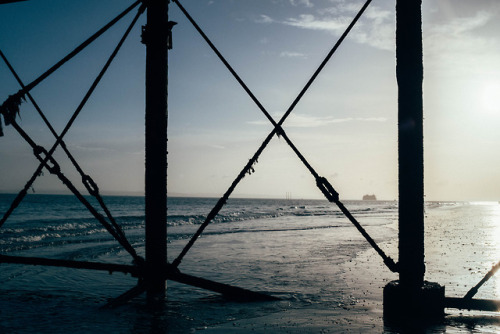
point(304, 252)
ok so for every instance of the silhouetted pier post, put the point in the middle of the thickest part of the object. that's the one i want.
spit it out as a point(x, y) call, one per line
point(409, 72)
point(154, 36)
point(411, 296)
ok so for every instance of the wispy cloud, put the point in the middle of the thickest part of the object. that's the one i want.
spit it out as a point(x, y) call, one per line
point(90, 148)
point(215, 146)
point(264, 19)
point(460, 25)
point(309, 121)
point(447, 37)
point(308, 21)
point(456, 42)
point(376, 27)
point(288, 54)
point(306, 3)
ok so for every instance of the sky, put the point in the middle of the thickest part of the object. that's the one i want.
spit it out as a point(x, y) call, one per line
point(345, 125)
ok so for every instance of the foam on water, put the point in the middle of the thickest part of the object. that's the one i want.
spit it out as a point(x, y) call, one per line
point(297, 250)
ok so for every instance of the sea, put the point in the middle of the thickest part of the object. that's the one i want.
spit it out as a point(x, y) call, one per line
point(305, 252)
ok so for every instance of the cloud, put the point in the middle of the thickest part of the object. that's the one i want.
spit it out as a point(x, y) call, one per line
point(90, 148)
point(309, 121)
point(378, 16)
point(460, 25)
point(308, 21)
point(457, 44)
point(306, 3)
point(215, 146)
point(288, 54)
point(264, 19)
point(375, 28)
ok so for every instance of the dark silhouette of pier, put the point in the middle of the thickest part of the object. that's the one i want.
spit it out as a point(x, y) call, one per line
point(409, 297)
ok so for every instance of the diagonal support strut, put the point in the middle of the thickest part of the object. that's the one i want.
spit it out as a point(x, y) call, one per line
point(321, 182)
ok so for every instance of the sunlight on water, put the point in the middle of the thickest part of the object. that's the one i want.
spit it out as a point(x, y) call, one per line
point(492, 239)
point(496, 241)
point(491, 203)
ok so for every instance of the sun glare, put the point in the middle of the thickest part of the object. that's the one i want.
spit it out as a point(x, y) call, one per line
point(490, 98)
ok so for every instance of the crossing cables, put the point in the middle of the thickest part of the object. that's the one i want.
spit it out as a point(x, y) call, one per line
point(16, 98)
point(11, 107)
point(322, 183)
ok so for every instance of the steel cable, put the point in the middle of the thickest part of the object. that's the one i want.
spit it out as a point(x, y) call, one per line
point(472, 292)
point(59, 139)
point(321, 182)
point(53, 167)
point(77, 50)
point(89, 184)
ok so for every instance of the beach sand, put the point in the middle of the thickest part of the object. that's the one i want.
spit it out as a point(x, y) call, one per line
point(361, 283)
point(455, 258)
point(364, 279)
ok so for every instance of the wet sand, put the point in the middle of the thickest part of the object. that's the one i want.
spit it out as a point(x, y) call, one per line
point(365, 277)
point(361, 281)
point(455, 257)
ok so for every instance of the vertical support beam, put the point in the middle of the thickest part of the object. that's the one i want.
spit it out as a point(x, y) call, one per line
point(154, 35)
point(411, 298)
point(409, 72)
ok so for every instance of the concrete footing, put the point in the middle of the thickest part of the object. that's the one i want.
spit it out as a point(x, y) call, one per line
point(424, 305)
